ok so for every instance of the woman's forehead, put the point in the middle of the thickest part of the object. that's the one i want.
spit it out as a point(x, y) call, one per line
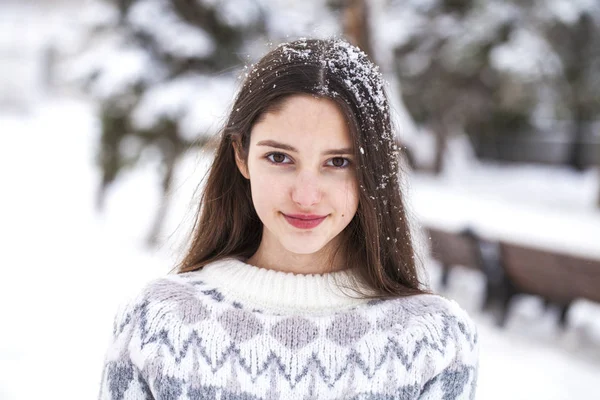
point(305, 120)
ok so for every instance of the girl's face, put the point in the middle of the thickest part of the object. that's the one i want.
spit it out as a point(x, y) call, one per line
point(300, 167)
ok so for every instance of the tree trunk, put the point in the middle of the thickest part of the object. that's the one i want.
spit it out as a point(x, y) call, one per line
point(440, 130)
point(598, 199)
point(169, 163)
point(576, 146)
point(355, 21)
point(153, 237)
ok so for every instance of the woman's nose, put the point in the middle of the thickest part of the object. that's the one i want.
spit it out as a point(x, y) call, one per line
point(306, 191)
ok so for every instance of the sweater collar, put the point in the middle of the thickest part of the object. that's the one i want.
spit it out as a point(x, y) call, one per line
point(283, 290)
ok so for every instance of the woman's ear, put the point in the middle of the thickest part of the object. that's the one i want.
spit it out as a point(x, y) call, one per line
point(239, 160)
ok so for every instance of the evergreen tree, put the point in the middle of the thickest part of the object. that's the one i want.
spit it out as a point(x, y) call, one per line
point(152, 69)
point(487, 68)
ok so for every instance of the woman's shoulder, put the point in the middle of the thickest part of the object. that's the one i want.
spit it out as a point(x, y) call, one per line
point(171, 295)
point(183, 289)
point(429, 304)
point(439, 316)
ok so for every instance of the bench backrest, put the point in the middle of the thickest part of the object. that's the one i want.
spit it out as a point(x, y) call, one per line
point(585, 276)
point(552, 275)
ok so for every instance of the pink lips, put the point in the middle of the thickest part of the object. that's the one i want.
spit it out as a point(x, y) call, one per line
point(304, 221)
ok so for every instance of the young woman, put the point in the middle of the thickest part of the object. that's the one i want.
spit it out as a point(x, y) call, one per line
point(300, 281)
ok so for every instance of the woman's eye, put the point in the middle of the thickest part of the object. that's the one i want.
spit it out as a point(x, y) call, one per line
point(277, 158)
point(338, 162)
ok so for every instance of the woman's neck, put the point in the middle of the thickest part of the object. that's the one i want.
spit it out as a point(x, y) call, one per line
point(279, 259)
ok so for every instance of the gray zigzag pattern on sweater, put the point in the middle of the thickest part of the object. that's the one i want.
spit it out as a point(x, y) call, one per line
point(232, 352)
point(122, 376)
point(172, 388)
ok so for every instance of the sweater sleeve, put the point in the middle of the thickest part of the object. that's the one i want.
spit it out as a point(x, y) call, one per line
point(121, 377)
point(458, 379)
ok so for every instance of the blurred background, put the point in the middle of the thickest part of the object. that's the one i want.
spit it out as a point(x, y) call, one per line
point(107, 107)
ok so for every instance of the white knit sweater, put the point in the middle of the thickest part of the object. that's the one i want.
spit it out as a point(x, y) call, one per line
point(235, 331)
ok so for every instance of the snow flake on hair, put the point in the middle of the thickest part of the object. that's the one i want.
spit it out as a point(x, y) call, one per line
point(358, 72)
point(346, 61)
point(296, 50)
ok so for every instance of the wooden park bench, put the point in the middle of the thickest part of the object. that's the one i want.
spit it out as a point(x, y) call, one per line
point(511, 269)
point(556, 277)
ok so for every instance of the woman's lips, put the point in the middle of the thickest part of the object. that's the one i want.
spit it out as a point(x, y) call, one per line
point(304, 221)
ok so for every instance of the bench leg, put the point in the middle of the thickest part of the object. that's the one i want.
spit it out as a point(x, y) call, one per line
point(445, 274)
point(489, 296)
point(508, 292)
point(564, 309)
point(504, 310)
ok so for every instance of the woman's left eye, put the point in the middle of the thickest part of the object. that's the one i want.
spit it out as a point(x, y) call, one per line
point(277, 158)
point(338, 162)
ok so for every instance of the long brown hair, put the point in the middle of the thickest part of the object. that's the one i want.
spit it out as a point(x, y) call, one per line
point(378, 239)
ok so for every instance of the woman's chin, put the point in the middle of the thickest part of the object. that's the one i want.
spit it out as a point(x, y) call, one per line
point(305, 248)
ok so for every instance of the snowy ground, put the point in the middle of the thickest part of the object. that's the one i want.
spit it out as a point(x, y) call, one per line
point(65, 267)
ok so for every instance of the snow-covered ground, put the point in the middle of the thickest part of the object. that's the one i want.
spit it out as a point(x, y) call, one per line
point(66, 268)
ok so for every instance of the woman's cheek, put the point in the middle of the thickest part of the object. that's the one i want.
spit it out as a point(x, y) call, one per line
point(273, 180)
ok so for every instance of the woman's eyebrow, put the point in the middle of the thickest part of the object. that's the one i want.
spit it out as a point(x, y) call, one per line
point(283, 146)
point(338, 151)
point(272, 143)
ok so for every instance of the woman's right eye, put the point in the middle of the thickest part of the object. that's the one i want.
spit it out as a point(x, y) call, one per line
point(277, 158)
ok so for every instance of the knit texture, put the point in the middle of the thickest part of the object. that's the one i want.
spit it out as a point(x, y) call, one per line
point(235, 331)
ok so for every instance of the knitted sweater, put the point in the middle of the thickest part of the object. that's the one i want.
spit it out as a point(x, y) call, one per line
point(235, 331)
